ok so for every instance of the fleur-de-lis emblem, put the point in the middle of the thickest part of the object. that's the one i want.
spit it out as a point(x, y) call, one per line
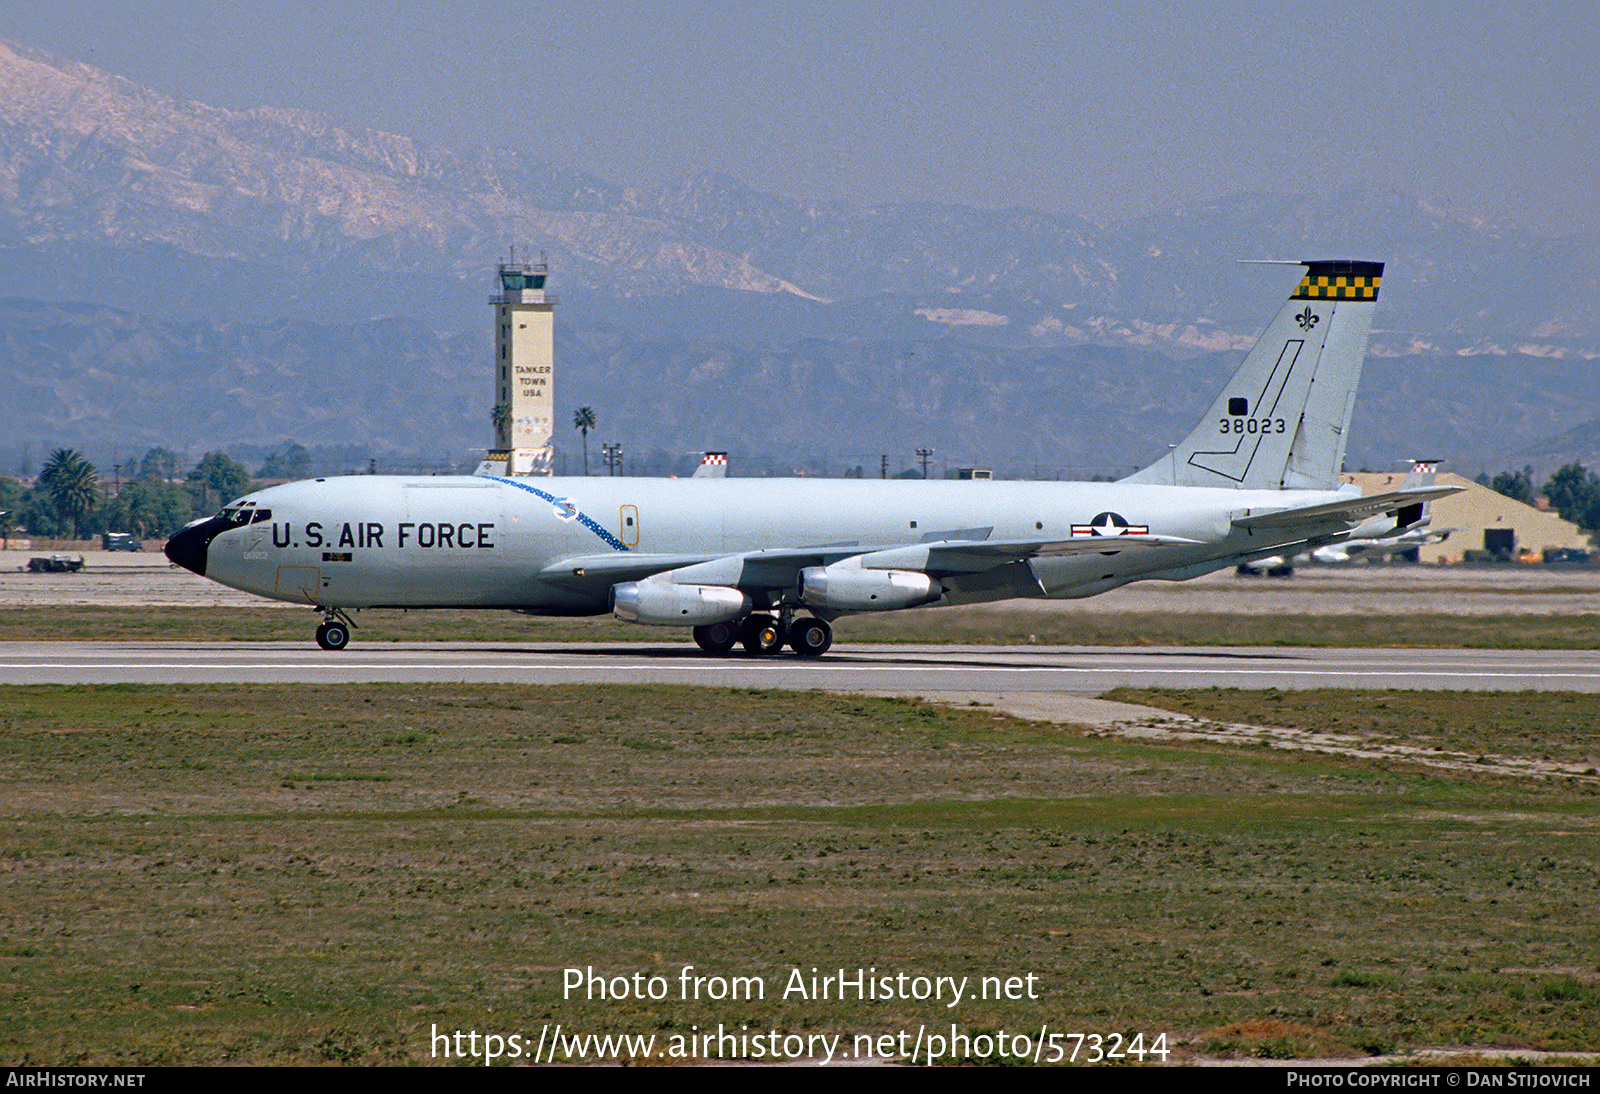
point(1306, 319)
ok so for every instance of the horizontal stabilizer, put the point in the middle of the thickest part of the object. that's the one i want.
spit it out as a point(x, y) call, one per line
point(1351, 511)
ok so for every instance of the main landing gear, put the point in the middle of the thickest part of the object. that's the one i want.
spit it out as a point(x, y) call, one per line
point(717, 637)
point(334, 633)
point(763, 635)
point(810, 637)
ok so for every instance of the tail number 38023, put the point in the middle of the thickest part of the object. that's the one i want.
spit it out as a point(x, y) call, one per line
point(1252, 425)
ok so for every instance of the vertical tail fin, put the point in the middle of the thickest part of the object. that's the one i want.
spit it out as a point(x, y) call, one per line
point(1423, 473)
point(713, 465)
point(1282, 419)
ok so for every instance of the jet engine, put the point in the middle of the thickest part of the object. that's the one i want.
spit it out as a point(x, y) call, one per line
point(663, 604)
point(849, 587)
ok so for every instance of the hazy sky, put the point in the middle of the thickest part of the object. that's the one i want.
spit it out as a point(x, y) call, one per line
point(1486, 109)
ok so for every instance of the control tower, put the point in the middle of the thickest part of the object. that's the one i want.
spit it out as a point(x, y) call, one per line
point(525, 353)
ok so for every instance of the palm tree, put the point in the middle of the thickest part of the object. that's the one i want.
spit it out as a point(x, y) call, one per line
point(70, 480)
point(583, 421)
point(501, 416)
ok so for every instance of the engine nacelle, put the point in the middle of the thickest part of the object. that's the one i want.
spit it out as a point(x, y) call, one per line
point(844, 587)
point(663, 604)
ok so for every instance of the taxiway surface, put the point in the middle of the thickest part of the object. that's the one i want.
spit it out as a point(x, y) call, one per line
point(118, 579)
point(899, 669)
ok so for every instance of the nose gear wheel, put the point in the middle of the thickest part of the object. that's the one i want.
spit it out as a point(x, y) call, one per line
point(334, 633)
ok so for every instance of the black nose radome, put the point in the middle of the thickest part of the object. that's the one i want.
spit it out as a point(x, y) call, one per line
point(188, 548)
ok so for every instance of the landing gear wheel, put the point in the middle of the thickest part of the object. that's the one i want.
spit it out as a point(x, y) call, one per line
point(716, 637)
point(333, 636)
point(810, 637)
point(761, 635)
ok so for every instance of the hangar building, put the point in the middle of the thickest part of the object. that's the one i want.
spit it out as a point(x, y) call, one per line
point(1483, 521)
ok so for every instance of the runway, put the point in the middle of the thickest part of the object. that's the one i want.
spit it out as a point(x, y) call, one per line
point(864, 668)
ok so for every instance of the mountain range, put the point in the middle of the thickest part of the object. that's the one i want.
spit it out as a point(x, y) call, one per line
point(181, 275)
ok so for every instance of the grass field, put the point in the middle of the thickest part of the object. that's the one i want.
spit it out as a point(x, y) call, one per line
point(975, 625)
point(209, 874)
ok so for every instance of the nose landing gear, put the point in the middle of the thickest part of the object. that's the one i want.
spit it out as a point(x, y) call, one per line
point(334, 633)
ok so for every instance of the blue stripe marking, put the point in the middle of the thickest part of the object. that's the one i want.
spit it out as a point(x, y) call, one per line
point(583, 518)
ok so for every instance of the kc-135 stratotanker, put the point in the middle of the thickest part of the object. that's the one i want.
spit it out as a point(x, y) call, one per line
point(770, 563)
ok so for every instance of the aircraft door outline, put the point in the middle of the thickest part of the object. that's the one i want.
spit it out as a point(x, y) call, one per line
point(302, 581)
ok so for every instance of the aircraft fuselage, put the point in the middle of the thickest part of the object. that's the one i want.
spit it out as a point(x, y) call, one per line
point(379, 541)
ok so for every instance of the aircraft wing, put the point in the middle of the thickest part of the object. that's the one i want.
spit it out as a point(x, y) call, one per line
point(1351, 511)
point(780, 568)
point(769, 569)
point(973, 556)
point(618, 566)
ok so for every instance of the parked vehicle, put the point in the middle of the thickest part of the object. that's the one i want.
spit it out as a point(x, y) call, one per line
point(55, 564)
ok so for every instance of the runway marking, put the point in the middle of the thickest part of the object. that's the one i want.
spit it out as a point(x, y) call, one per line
point(634, 670)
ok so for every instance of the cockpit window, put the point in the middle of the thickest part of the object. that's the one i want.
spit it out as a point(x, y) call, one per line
point(238, 516)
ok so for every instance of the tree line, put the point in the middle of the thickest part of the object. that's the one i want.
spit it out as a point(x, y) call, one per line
point(71, 500)
point(1573, 492)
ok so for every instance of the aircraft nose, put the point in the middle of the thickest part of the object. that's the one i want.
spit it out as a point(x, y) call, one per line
point(188, 548)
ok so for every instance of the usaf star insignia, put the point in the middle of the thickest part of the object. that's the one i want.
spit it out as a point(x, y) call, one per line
point(1110, 524)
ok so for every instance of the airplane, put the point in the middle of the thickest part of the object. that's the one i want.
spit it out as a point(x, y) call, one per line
point(772, 563)
point(1335, 554)
point(1420, 534)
